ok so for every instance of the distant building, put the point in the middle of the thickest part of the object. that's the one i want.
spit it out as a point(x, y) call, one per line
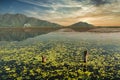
point(27, 25)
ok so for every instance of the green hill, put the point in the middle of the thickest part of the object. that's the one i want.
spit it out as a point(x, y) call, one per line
point(81, 25)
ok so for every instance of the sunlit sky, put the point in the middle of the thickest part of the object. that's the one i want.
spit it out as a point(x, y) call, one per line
point(67, 12)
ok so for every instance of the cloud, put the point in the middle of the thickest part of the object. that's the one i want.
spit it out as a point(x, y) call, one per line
point(99, 2)
point(34, 2)
point(67, 12)
point(102, 2)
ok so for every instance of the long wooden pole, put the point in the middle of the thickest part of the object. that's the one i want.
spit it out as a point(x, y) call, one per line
point(43, 59)
point(85, 56)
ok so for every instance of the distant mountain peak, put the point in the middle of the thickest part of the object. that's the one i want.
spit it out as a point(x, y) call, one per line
point(82, 24)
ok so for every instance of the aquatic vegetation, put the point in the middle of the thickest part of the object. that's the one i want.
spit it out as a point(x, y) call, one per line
point(64, 60)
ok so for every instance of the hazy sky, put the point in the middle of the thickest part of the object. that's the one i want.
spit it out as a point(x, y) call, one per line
point(66, 12)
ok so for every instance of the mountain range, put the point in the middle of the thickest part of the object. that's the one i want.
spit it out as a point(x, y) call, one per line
point(21, 20)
